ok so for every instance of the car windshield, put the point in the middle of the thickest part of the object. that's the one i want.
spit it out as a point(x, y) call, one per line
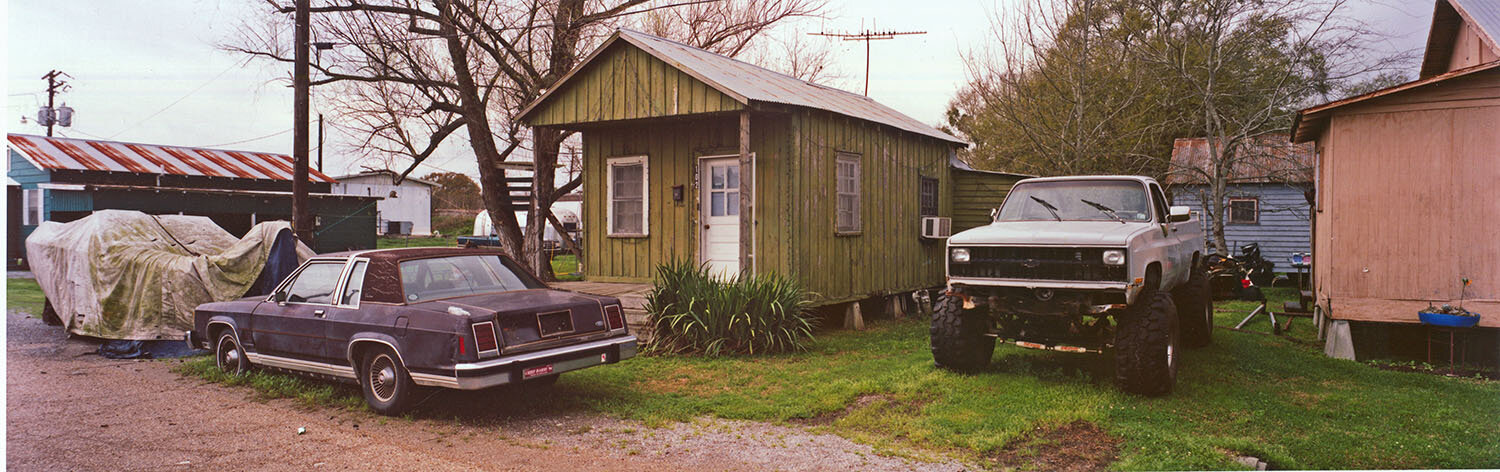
point(443, 277)
point(1077, 200)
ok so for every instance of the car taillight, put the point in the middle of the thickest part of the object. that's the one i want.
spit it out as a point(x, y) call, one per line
point(484, 337)
point(616, 319)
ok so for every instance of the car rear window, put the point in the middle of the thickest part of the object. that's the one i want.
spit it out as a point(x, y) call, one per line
point(443, 277)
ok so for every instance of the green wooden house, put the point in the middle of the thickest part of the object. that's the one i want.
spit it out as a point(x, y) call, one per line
point(689, 154)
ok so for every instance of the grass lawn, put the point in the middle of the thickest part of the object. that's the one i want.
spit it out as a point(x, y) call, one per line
point(1277, 398)
point(24, 295)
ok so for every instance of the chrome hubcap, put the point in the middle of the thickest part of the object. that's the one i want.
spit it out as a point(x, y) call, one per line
point(229, 356)
point(383, 378)
point(232, 357)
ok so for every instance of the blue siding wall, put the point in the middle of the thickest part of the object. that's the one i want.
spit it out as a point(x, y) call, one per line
point(1284, 227)
point(24, 173)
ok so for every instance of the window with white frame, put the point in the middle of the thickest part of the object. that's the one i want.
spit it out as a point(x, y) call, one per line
point(627, 196)
point(31, 207)
point(847, 188)
point(1244, 210)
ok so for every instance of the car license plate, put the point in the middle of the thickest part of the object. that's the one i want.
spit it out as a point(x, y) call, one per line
point(555, 323)
point(537, 371)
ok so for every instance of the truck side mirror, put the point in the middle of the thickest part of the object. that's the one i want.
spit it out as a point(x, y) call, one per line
point(1178, 214)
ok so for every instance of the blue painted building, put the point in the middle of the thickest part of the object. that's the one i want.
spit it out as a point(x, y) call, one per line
point(64, 179)
point(1266, 201)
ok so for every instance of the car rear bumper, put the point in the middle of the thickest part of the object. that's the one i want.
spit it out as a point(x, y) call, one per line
point(511, 369)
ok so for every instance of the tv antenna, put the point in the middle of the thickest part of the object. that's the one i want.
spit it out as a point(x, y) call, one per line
point(867, 35)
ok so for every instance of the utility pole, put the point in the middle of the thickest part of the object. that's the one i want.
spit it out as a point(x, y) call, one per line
point(302, 220)
point(54, 85)
point(320, 142)
point(867, 36)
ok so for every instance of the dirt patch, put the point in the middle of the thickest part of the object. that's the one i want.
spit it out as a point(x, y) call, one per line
point(1075, 447)
point(876, 403)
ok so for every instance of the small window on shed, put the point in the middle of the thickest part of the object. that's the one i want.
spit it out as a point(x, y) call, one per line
point(31, 202)
point(927, 196)
point(627, 196)
point(1244, 211)
point(848, 193)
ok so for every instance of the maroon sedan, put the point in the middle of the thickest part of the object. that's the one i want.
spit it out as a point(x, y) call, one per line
point(397, 319)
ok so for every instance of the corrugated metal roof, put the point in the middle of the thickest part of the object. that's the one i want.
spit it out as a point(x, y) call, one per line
point(1485, 15)
point(1272, 159)
point(747, 82)
point(54, 153)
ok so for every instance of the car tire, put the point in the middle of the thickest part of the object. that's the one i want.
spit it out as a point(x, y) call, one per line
point(1145, 348)
point(229, 355)
point(1195, 308)
point(959, 340)
point(386, 384)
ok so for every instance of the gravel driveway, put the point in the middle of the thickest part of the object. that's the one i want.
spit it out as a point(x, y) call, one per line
point(68, 409)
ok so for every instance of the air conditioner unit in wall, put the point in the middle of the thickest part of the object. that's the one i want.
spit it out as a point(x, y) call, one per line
point(937, 227)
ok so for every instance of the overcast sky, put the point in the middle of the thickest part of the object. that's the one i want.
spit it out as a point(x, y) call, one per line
point(149, 71)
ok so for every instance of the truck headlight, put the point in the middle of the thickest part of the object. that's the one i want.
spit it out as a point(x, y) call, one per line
point(1114, 257)
point(960, 255)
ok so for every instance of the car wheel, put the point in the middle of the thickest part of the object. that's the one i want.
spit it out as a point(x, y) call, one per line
point(959, 340)
point(386, 384)
point(228, 354)
point(1196, 307)
point(1145, 348)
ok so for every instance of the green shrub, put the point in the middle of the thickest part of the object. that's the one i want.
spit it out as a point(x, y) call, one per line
point(694, 312)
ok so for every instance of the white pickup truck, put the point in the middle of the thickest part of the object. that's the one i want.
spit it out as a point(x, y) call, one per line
point(1083, 264)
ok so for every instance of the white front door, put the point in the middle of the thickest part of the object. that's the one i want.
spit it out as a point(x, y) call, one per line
point(719, 212)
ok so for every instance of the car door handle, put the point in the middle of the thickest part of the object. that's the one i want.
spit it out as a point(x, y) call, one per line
point(318, 313)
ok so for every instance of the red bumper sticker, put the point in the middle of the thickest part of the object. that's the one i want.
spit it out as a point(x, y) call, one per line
point(536, 371)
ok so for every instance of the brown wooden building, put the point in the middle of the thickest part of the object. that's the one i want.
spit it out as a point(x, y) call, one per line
point(1406, 181)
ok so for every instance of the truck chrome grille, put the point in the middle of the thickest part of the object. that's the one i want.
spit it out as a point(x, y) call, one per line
point(1038, 263)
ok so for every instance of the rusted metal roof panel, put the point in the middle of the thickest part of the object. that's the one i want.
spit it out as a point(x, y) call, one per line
point(1268, 158)
point(54, 153)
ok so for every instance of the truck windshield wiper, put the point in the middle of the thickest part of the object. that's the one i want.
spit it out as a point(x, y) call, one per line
point(1104, 209)
point(1050, 209)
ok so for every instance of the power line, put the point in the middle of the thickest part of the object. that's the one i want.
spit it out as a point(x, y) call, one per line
point(236, 64)
point(257, 138)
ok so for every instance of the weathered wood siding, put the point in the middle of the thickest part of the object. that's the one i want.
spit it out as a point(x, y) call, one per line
point(975, 194)
point(1283, 227)
point(889, 254)
point(1406, 205)
point(672, 149)
point(626, 83)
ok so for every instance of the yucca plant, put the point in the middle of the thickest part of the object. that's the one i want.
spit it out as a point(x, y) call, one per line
point(693, 311)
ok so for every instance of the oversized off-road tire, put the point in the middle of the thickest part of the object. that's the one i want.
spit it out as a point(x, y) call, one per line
point(1146, 346)
point(228, 354)
point(959, 341)
point(387, 385)
point(1195, 310)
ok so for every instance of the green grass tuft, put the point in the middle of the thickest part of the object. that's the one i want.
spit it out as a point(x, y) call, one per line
point(692, 311)
point(24, 295)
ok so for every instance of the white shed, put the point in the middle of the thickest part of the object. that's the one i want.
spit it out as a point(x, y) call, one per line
point(406, 207)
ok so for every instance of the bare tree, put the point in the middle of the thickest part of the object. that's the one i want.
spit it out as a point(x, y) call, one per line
point(1244, 67)
point(410, 76)
point(1049, 94)
point(733, 27)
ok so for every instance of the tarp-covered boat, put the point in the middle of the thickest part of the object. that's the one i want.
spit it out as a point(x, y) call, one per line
point(129, 275)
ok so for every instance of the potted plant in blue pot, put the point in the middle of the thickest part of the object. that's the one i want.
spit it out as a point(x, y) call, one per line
point(1449, 315)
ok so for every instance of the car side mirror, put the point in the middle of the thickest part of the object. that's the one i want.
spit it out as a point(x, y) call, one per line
point(1178, 214)
point(279, 297)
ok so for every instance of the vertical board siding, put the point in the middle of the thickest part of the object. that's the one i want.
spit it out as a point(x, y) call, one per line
point(975, 194)
point(627, 83)
point(1284, 225)
point(1406, 187)
point(888, 255)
